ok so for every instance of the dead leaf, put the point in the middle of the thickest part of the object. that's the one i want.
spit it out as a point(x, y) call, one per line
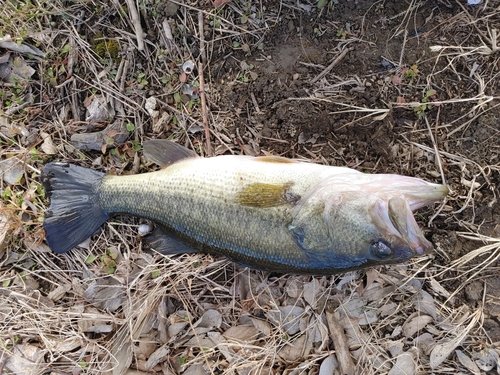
point(107, 294)
point(175, 328)
point(405, 365)
point(425, 342)
point(99, 110)
point(26, 359)
point(388, 309)
point(294, 287)
point(424, 303)
point(262, 325)
point(356, 308)
point(288, 317)
point(24, 48)
point(195, 370)
point(100, 141)
point(211, 319)
point(121, 352)
point(467, 362)
point(4, 229)
point(242, 333)
point(488, 360)
point(219, 3)
point(312, 290)
point(59, 292)
point(48, 145)
point(415, 323)
point(160, 355)
point(328, 366)
point(12, 170)
point(63, 346)
point(443, 349)
point(21, 70)
point(293, 351)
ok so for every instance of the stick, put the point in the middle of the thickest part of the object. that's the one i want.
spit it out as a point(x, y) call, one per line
point(204, 110)
point(136, 21)
point(340, 343)
point(332, 65)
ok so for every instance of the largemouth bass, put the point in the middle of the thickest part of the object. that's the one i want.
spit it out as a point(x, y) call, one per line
point(266, 212)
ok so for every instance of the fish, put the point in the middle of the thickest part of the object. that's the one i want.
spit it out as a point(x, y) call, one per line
point(266, 212)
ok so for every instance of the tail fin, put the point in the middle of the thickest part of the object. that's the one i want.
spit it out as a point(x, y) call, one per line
point(74, 213)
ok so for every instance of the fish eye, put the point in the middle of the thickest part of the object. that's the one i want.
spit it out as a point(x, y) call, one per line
point(381, 249)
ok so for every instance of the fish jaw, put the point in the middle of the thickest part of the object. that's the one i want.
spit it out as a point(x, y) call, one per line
point(417, 192)
point(396, 224)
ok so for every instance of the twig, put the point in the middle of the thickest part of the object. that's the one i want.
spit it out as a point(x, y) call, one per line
point(332, 65)
point(340, 344)
point(136, 21)
point(204, 110)
point(170, 41)
point(436, 151)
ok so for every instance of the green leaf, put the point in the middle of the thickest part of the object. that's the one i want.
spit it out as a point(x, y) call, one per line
point(430, 92)
point(90, 259)
point(130, 127)
point(7, 193)
point(66, 48)
point(155, 273)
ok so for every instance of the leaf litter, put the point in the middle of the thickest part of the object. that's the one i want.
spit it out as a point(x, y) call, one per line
point(140, 313)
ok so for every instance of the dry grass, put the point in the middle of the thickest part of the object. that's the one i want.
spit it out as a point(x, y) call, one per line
point(112, 308)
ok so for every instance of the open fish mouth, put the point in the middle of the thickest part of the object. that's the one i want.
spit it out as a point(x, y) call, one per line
point(395, 221)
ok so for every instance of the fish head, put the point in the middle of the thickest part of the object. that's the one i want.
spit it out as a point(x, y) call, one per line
point(366, 222)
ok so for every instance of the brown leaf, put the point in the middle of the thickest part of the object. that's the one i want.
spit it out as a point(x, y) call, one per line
point(415, 323)
point(244, 332)
point(219, 3)
point(26, 359)
point(293, 351)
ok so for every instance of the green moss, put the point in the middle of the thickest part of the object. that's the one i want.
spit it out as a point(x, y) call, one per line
point(107, 49)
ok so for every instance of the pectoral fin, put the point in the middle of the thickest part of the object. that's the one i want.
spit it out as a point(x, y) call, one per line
point(160, 241)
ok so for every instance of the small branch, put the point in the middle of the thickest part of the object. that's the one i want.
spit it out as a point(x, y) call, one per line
point(332, 65)
point(340, 342)
point(436, 151)
point(136, 21)
point(204, 110)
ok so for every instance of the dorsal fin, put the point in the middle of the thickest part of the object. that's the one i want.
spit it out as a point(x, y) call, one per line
point(164, 152)
point(274, 159)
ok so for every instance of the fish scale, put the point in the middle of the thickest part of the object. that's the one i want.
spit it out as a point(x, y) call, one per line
point(195, 203)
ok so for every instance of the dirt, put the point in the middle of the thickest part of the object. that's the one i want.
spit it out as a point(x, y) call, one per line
point(357, 83)
point(293, 117)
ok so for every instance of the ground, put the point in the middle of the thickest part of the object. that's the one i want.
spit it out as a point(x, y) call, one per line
point(407, 87)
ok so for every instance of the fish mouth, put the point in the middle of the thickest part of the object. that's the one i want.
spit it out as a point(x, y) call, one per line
point(395, 221)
